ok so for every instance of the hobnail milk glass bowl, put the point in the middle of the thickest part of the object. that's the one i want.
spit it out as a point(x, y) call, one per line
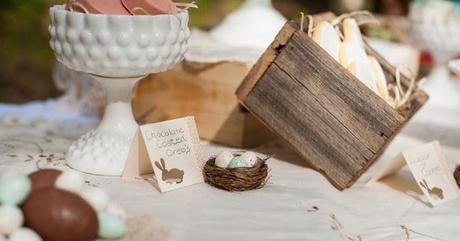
point(118, 45)
point(117, 50)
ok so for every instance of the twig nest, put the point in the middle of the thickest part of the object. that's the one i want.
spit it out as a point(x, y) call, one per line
point(242, 173)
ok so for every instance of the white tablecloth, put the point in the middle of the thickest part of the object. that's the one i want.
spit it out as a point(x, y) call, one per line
point(296, 204)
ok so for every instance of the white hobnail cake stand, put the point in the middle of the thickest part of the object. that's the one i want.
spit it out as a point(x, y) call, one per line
point(117, 50)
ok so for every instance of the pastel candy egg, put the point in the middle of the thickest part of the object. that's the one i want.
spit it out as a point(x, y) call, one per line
point(71, 181)
point(25, 234)
point(9, 173)
point(223, 159)
point(14, 190)
point(11, 218)
point(118, 210)
point(238, 162)
point(97, 197)
point(2, 238)
point(111, 226)
point(250, 157)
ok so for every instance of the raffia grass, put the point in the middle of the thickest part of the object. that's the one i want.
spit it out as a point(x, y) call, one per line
point(236, 179)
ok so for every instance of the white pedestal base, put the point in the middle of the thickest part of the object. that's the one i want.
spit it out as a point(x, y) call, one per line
point(104, 150)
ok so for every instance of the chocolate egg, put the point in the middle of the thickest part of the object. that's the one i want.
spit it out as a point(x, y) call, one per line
point(44, 178)
point(58, 215)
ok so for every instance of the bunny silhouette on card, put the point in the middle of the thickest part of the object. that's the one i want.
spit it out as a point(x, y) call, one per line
point(168, 154)
point(434, 192)
point(430, 169)
point(170, 176)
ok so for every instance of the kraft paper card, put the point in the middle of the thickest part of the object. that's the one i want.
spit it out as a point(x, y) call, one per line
point(166, 153)
point(430, 170)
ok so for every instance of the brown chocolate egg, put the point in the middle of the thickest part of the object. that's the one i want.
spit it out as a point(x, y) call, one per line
point(58, 215)
point(43, 178)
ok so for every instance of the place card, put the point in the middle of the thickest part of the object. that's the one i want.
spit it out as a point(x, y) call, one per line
point(167, 153)
point(429, 168)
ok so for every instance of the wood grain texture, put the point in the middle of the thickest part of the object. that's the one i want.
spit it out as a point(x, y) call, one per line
point(258, 70)
point(205, 91)
point(327, 115)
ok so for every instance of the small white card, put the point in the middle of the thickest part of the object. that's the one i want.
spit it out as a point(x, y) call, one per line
point(430, 170)
point(167, 153)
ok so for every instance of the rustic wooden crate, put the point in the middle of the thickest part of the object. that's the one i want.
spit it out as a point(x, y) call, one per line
point(328, 116)
point(206, 91)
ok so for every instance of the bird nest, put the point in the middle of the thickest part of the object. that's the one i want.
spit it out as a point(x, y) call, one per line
point(236, 179)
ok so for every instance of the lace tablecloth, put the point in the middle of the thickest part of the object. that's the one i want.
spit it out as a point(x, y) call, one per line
point(296, 204)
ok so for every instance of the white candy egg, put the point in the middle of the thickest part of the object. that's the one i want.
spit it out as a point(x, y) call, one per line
point(11, 218)
point(250, 157)
point(118, 210)
point(9, 173)
point(97, 197)
point(25, 234)
point(71, 181)
point(223, 159)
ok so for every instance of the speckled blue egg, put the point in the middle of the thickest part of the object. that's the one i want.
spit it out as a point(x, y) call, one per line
point(238, 162)
point(14, 190)
point(111, 226)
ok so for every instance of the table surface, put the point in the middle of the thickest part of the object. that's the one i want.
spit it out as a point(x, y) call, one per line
point(296, 204)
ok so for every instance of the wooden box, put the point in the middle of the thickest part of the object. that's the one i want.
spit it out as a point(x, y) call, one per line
point(328, 116)
point(206, 91)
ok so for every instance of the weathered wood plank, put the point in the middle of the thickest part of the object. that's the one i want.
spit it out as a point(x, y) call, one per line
point(266, 59)
point(310, 128)
point(345, 96)
point(326, 114)
point(272, 52)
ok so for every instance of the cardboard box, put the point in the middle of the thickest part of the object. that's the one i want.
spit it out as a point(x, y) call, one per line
point(207, 92)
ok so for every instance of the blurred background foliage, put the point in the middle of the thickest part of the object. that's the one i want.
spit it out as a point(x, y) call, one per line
point(26, 60)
